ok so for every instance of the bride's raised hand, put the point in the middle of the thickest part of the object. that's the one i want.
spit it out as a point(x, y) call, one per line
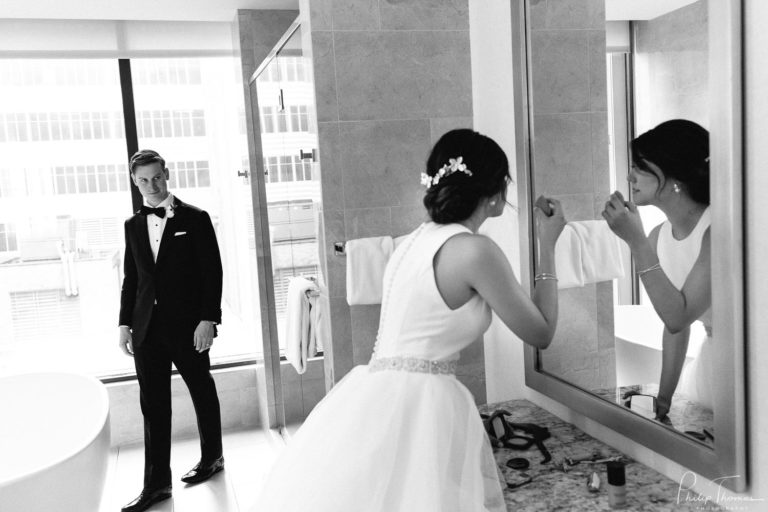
point(624, 219)
point(550, 223)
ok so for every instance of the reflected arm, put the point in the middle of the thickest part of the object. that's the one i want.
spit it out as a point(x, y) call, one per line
point(674, 348)
point(678, 309)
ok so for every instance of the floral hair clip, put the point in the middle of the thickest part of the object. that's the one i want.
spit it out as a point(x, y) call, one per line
point(453, 165)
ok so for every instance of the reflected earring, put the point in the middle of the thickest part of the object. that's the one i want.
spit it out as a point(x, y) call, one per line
point(676, 188)
point(493, 203)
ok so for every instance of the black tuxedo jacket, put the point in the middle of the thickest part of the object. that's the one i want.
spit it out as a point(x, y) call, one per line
point(185, 282)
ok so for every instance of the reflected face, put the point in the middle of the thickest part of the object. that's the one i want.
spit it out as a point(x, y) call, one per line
point(152, 182)
point(645, 182)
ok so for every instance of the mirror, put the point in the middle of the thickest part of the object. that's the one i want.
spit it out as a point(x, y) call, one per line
point(594, 76)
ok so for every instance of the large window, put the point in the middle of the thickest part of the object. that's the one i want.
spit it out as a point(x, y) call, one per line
point(7, 238)
point(65, 193)
point(191, 112)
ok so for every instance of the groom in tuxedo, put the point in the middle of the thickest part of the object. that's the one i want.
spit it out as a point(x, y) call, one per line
point(169, 308)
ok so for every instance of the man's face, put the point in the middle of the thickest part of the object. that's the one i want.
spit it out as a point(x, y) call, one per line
point(152, 181)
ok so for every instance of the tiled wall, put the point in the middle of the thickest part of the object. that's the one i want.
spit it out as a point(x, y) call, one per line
point(390, 78)
point(672, 54)
point(570, 162)
point(238, 397)
point(241, 396)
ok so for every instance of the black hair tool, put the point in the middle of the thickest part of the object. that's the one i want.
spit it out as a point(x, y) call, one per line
point(515, 436)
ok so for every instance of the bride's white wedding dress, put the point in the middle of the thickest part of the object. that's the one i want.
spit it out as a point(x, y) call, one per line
point(401, 433)
point(677, 258)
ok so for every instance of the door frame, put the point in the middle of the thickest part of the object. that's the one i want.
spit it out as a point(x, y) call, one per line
point(275, 406)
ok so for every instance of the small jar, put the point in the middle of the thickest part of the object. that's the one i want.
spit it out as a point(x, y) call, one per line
point(617, 489)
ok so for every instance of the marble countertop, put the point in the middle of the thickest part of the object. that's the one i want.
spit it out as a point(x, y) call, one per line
point(685, 415)
point(553, 489)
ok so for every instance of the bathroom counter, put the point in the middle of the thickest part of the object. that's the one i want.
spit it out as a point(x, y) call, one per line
point(685, 415)
point(553, 489)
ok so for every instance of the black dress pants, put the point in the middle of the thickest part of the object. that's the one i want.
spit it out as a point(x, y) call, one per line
point(161, 347)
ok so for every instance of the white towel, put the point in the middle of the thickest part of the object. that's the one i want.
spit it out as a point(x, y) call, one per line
point(298, 346)
point(568, 259)
point(600, 251)
point(587, 252)
point(366, 260)
point(319, 321)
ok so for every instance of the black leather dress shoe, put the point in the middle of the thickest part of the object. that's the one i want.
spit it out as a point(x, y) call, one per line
point(203, 471)
point(147, 498)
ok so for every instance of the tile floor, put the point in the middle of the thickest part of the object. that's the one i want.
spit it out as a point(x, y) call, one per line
point(248, 454)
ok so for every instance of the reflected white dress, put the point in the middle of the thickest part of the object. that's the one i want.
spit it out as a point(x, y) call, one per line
point(401, 433)
point(677, 258)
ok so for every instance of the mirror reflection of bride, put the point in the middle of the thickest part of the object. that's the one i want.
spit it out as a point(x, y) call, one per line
point(670, 170)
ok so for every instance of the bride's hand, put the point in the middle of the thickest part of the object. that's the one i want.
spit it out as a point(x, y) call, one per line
point(624, 219)
point(549, 225)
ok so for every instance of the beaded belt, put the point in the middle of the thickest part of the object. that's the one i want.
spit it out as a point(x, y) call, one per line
point(412, 364)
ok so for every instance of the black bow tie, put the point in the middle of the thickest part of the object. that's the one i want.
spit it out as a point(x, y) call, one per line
point(146, 210)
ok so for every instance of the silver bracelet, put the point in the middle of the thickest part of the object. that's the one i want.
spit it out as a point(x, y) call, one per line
point(649, 269)
point(544, 276)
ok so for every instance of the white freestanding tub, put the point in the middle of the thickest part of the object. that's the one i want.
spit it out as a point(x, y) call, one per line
point(54, 442)
point(639, 346)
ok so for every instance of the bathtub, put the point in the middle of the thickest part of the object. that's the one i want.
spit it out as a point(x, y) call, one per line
point(638, 344)
point(54, 442)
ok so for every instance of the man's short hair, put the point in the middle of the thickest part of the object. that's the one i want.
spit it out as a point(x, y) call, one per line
point(145, 157)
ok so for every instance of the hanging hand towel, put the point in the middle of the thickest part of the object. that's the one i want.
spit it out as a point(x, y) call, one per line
point(297, 332)
point(319, 320)
point(600, 251)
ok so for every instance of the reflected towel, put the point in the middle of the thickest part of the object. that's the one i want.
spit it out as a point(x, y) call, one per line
point(568, 259)
point(298, 342)
point(366, 261)
point(600, 251)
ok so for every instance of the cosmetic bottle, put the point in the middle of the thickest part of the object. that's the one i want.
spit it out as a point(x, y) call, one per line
point(617, 490)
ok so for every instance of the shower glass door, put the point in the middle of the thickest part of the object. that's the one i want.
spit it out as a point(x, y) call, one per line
point(282, 96)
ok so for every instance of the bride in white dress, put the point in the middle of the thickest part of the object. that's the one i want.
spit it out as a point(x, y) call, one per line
point(402, 433)
point(670, 170)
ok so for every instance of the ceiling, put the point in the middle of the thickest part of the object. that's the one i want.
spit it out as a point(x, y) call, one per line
point(178, 10)
point(224, 10)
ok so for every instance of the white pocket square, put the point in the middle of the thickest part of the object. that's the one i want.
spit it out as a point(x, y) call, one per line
point(179, 233)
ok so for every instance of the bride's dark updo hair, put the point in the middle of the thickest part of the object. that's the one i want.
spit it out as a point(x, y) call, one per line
point(456, 196)
point(680, 148)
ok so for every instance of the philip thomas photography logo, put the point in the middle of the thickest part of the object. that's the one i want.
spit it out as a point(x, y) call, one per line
point(714, 497)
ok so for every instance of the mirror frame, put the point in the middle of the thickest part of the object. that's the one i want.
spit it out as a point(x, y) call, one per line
point(726, 464)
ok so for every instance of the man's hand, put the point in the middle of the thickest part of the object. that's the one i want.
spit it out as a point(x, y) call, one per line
point(126, 340)
point(203, 335)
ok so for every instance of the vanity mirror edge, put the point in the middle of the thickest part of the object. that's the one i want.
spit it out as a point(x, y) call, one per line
point(726, 464)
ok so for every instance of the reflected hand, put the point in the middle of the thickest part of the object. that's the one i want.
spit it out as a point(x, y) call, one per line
point(203, 338)
point(126, 340)
point(623, 218)
point(662, 409)
point(550, 224)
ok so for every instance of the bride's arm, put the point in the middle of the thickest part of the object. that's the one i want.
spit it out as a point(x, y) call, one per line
point(477, 265)
point(678, 309)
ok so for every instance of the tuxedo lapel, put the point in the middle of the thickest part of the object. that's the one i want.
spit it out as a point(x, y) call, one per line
point(170, 228)
point(142, 238)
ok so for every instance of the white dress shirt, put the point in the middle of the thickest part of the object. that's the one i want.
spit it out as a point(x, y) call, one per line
point(156, 225)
